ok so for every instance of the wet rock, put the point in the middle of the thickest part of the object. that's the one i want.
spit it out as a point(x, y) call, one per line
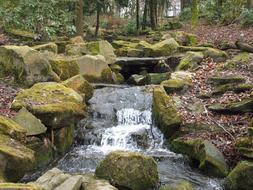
point(129, 169)
point(64, 139)
point(244, 145)
point(27, 65)
point(103, 48)
point(43, 150)
point(240, 177)
point(190, 60)
point(183, 185)
point(72, 183)
point(210, 159)
point(16, 159)
point(81, 86)
point(19, 186)
point(11, 128)
point(138, 80)
point(50, 47)
point(165, 113)
point(217, 80)
point(28, 121)
point(64, 67)
point(54, 104)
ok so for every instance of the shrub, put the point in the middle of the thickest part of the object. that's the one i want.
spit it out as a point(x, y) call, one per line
point(129, 28)
point(246, 18)
point(185, 15)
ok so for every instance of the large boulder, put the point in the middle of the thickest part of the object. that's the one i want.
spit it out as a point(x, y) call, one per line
point(210, 159)
point(240, 177)
point(81, 86)
point(11, 128)
point(29, 122)
point(54, 104)
point(164, 48)
point(129, 169)
point(64, 67)
point(27, 65)
point(165, 112)
point(103, 48)
point(16, 159)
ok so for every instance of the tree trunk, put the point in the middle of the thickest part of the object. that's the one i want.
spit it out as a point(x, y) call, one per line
point(98, 19)
point(79, 17)
point(137, 15)
point(184, 4)
point(152, 14)
point(250, 4)
point(144, 22)
point(195, 13)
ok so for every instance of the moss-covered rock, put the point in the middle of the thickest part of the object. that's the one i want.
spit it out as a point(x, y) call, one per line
point(25, 64)
point(165, 112)
point(64, 67)
point(29, 122)
point(164, 48)
point(182, 75)
point(19, 186)
point(138, 80)
point(238, 61)
point(103, 48)
point(183, 185)
point(184, 38)
point(76, 40)
point(91, 183)
point(54, 104)
point(16, 159)
point(11, 128)
point(244, 145)
point(220, 80)
point(64, 139)
point(51, 47)
point(108, 76)
point(129, 169)
point(237, 88)
point(81, 86)
point(43, 150)
point(210, 159)
point(173, 85)
point(250, 128)
point(157, 78)
point(190, 60)
point(240, 177)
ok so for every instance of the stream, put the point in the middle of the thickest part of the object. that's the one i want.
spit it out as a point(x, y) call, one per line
point(121, 119)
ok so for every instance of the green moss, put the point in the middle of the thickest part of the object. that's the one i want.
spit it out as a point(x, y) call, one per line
point(244, 145)
point(165, 113)
point(237, 88)
point(108, 76)
point(129, 169)
point(11, 128)
point(64, 67)
point(173, 85)
point(240, 177)
point(50, 47)
point(216, 80)
point(237, 61)
point(190, 60)
point(17, 186)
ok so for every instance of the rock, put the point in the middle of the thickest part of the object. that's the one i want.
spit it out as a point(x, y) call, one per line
point(240, 177)
point(115, 68)
point(244, 145)
point(183, 38)
point(72, 183)
point(11, 128)
point(91, 67)
point(250, 128)
point(164, 48)
point(190, 60)
point(64, 67)
point(110, 77)
point(174, 85)
point(245, 105)
point(165, 113)
point(54, 104)
point(76, 40)
point(50, 47)
point(16, 159)
point(19, 186)
point(28, 121)
point(81, 86)
point(241, 59)
point(217, 80)
point(138, 80)
point(210, 159)
point(61, 44)
point(90, 183)
point(157, 78)
point(182, 75)
point(26, 64)
point(183, 185)
point(43, 151)
point(129, 169)
point(64, 139)
point(103, 48)
point(237, 88)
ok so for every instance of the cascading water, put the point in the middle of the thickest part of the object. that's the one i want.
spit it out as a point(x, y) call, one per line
point(121, 119)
